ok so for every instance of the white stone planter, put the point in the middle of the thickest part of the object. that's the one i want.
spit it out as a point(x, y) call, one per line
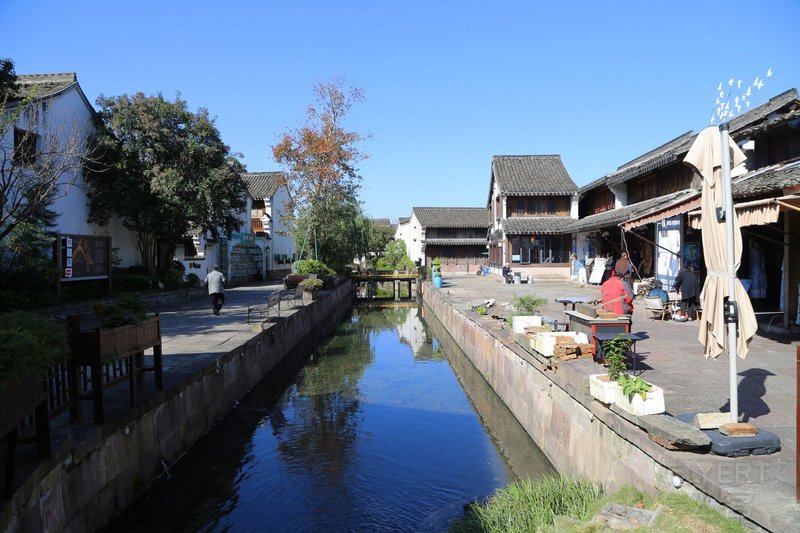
point(519, 323)
point(652, 404)
point(604, 391)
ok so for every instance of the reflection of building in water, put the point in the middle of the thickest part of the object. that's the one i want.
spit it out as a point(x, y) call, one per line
point(412, 333)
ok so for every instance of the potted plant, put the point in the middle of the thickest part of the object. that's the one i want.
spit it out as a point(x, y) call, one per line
point(604, 387)
point(525, 312)
point(310, 287)
point(436, 267)
point(639, 397)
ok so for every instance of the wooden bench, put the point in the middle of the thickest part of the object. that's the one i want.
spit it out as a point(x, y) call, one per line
point(273, 302)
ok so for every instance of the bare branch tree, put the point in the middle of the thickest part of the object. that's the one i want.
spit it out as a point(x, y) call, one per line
point(40, 159)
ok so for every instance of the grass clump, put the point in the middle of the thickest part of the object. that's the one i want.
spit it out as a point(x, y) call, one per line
point(527, 505)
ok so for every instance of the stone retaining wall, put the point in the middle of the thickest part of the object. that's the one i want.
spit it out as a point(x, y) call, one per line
point(93, 478)
point(579, 436)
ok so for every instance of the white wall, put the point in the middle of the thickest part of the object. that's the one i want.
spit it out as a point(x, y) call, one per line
point(414, 247)
point(620, 195)
point(280, 244)
point(403, 233)
point(59, 118)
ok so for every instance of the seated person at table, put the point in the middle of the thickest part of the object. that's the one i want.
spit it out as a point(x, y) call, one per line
point(615, 296)
point(507, 274)
point(658, 292)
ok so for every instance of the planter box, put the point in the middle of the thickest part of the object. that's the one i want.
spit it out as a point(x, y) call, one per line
point(123, 341)
point(604, 391)
point(546, 341)
point(653, 403)
point(519, 323)
point(113, 355)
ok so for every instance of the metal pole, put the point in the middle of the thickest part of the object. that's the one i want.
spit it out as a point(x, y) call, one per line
point(730, 270)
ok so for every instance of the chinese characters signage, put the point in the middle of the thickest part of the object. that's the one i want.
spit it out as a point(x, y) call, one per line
point(83, 257)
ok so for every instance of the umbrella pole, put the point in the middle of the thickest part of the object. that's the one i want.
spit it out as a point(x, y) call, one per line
point(731, 311)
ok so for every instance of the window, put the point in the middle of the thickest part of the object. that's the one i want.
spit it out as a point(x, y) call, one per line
point(191, 250)
point(25, 147)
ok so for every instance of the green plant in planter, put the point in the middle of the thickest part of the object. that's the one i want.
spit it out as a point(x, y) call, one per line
point(481, 310)
point(127, 310)
point(311, 284)
point(525, 305)
point(616, 353)
point(634, 385)
point(31, 345)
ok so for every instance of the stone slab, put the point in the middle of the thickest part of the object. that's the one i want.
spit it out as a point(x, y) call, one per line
point(738, 429)
point(710, 420)
point(665, 429)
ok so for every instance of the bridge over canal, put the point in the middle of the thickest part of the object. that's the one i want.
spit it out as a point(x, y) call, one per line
point(386, 286)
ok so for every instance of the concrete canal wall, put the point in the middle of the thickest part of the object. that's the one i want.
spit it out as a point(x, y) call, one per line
point(579, 436)
point(92, 478)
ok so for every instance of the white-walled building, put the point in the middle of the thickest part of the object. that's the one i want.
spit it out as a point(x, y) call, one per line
point(57, 117)
point(268, 198)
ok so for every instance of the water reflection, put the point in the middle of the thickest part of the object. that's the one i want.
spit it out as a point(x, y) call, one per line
point(373, 433)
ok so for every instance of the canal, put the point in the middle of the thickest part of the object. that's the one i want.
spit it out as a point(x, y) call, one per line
point(384, 427)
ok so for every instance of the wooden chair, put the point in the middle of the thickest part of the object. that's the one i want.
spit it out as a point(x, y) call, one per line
point(656, 308)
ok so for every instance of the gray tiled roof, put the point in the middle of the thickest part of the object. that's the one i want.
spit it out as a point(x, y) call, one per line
point(452, 217)
point(761, 112)
point(381, 222)
point(614, 217)
point(455, 242)
point(44, 85)
point(664, 155)
point(531, 175)
point(403, 220)
point(772, 180)
point(262, 185)
point(768, 124)
point(537, 225)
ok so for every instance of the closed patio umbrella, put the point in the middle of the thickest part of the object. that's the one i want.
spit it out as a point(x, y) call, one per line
point(722, 251)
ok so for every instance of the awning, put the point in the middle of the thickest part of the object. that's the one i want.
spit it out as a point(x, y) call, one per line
point(755, 213)
point(678, 208)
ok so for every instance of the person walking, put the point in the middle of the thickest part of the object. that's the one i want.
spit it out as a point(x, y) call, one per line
point(687, 284)
point(215, 282)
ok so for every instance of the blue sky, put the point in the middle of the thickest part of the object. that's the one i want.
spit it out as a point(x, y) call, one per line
point(448, 84)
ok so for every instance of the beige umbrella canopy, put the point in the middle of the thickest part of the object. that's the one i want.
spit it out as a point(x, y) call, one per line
point(706, 157)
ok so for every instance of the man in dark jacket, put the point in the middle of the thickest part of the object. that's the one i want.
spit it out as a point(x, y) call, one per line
point(687, 284)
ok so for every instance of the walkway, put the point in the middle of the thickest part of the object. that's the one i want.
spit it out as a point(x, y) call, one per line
point(671, 357)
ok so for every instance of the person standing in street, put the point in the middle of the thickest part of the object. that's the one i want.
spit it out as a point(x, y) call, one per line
point(215, 282)
point(687, 284)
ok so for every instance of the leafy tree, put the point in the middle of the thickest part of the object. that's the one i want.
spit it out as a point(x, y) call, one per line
point(165, 171)
point(338, 241)
point(321, 159)
point(395, 251)
point(379, 237)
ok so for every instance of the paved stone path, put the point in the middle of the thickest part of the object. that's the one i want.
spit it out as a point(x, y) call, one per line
point(671, 357)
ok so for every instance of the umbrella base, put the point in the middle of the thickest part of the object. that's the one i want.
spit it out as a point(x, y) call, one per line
point(765, 443)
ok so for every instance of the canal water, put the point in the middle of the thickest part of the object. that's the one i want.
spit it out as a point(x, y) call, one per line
point(385, 427)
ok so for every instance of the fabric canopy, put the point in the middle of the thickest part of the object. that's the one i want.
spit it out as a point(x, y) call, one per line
point(754, 213)
point(705, 156)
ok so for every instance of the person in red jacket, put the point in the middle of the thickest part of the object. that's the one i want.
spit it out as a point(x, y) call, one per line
point(615, 296)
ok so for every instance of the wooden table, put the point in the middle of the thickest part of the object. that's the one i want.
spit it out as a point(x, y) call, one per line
point(593, 325)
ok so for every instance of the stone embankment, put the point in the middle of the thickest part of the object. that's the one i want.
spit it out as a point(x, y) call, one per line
point(96, 471)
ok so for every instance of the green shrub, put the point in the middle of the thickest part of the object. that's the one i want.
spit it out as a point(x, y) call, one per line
point(616, 352)
point(406, 264)
point(481, 310)
point(311, 284)
point(383, 264)
point(128, 309)
point(527, 304)
point(31, 345)
point(311, 266)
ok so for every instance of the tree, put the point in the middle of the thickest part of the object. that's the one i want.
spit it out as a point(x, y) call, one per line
point(379, 238)
point(39, 160)
point(165, 171)
point(321, 159)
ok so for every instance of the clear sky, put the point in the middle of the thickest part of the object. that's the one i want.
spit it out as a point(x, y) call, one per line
point(448, 84)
